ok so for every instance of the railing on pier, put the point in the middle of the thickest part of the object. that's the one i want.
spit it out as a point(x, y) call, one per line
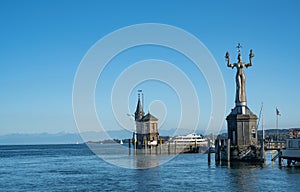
point(275, 145)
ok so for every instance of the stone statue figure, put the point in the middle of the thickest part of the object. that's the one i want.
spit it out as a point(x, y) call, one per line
point(240, 98)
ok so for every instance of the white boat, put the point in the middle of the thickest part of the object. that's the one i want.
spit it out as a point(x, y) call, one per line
point(152, 143)
point(190, 138)
point(121, 142)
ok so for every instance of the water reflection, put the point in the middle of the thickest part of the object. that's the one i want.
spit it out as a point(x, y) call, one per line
point(292, 170)
point(244, 165)
point(148, 179)
point(127, 158)
point(146, 161)
point(239, 176)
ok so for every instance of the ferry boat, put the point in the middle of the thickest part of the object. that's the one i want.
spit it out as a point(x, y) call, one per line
point(189, 139)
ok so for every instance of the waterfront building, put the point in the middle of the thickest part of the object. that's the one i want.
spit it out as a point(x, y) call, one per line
point(146, 127)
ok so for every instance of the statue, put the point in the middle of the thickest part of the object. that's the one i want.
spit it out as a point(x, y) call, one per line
point(240, 98)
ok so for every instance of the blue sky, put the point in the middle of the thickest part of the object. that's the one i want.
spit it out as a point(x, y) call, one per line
point(43, 43)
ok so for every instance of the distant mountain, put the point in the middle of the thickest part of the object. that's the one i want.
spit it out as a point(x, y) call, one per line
point(61, 138)
point(276, 134)
point(40, 138)
point(275, 131)
point(70, 138)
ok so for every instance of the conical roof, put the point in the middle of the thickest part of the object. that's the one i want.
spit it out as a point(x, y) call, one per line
point(139, 107)
point(139, 112)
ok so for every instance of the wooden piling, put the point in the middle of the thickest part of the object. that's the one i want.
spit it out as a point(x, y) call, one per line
point(217, 150)
point(228, 150)
point(279, 159)
point(208, 153)
point(129, 150)
point(262, 152)
point(134, 145)
point(175, 147)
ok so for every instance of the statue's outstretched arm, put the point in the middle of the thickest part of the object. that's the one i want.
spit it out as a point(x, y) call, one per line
point(227, 56)
point(251, 55)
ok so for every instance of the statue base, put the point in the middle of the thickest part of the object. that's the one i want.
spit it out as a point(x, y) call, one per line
point(242, 132)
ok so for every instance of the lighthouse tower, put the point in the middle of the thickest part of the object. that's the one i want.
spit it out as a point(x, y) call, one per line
point(146, 127)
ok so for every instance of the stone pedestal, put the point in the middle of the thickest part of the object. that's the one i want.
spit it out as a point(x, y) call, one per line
point(242, 132)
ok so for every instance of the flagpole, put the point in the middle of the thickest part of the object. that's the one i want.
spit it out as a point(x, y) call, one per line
point(277, 114)
point(262, 121)
point(277, 127)
point(262, 149)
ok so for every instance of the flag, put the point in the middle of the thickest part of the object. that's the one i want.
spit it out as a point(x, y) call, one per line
point(277, 111)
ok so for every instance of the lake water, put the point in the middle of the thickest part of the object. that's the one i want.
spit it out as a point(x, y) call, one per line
point(76, 168)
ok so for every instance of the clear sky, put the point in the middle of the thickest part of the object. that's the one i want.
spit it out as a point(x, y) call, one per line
point(43, 42)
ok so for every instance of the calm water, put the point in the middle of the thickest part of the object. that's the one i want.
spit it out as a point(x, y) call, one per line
point(76, 168)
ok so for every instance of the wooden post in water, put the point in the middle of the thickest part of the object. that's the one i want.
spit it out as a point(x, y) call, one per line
point(217, 150)
point(175, 150)
point(279, 158)
point(228, 150)
point(262, 144)
point(134, 145)
point(195, 150)
point(160, 145)
point(129, 146)
point(208, 154)
point(262, 152)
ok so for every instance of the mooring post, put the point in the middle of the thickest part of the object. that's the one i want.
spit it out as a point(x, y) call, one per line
point(208, 154)
point(129, 147)
point(223, 155)
point(134, 146)
point(279, 158)
point(160, 142)
point(175, 149)
point(145, 144)
point(262, 152)
point(228, 150)
point(217, 150)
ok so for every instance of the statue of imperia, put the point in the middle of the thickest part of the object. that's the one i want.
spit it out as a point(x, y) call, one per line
point(240, 98)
